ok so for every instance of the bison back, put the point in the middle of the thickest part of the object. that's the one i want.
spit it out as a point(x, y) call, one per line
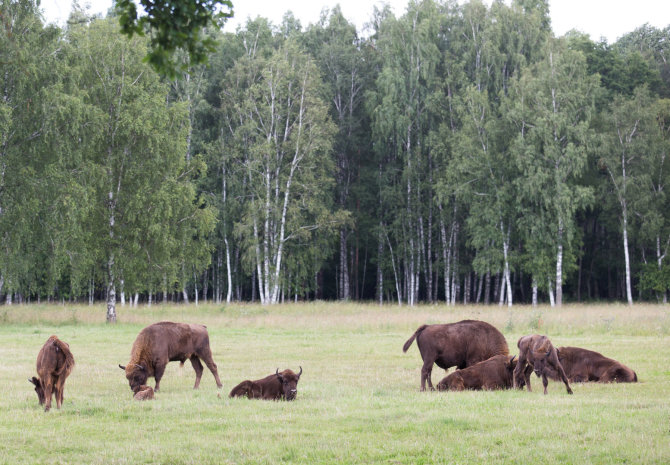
point(461, 344)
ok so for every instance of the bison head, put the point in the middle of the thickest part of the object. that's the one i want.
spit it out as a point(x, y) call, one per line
point(38, 389)
point(136, 375)
point(540, 361)
point(289, 383)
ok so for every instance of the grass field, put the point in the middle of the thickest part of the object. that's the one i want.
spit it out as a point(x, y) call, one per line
point(358, 398)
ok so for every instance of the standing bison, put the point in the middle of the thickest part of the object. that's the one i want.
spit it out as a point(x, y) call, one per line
point(164, 342)
point(493, 373)
point(278, 386)
point(456, 344)
point(582, 365)
point(54, 365)
point(538, 352)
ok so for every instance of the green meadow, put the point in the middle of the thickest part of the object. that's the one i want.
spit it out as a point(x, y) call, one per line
point(358, 398)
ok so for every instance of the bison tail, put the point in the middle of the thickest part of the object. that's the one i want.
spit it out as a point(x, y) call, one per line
point(69, 359)
point(414, 336)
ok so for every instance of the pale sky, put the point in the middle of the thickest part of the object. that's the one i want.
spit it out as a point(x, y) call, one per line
point(598, 18)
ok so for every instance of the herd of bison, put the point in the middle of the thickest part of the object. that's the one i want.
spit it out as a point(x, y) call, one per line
point(477, 349)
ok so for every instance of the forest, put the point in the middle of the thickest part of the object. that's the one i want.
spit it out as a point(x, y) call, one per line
point(459, 153)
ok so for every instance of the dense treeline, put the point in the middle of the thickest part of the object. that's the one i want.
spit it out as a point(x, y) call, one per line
point(458, 153)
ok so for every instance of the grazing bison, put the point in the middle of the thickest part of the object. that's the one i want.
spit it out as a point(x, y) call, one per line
point(582, 365)
point(537, 351)
point(54, 365)
point(493, 373)
point(144, 392)
point(278, 386)
point(456, 344)
point(164, 342)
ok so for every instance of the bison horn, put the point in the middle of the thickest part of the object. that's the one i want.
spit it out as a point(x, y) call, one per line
point(300, 372)
point(122, 367)
point(512, 359)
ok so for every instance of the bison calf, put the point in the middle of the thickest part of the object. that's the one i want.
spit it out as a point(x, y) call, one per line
point(54, 365)
point(538, 352)
point(278, 386)
point(493, 373)
point(582, 365)
point(456, 344)
point(144, 392)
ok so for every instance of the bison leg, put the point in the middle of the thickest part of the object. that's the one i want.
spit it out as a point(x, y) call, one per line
point(47, 395)
point(426, 371)
point(159, 369)
point(60, 389)
point(197, 366)
point(561, 372)
point(521, 370)
point(545, 382)
point(206, 356)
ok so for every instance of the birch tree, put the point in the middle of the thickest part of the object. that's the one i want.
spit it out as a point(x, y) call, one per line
point(142, 204)
point(628, 149)
point(554, 102)
point(283, 144)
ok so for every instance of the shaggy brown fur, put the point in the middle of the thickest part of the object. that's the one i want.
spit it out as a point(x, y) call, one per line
point(279, 386)
point(144, 392)
point(537, 351)
point(164, 342)
point(493, 373)
point(54, 364)
point(456, 344)
point(582, 365)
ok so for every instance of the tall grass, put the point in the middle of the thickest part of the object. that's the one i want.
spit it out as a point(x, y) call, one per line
point(358, 399)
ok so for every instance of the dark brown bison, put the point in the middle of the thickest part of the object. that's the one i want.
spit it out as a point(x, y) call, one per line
point(54, 364)
point(164, 342)
point(278, 386)
point(456, 344)
point(493, 373)
point(538, 352)
point(144, 392)
point(582, 365)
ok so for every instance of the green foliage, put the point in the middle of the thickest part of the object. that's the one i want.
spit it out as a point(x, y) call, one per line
point(173, 25)
point(655, 278)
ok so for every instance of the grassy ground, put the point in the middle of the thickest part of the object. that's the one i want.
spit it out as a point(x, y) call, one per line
point(358, 399)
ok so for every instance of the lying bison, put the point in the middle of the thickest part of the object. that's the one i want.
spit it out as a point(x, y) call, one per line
point(582, 365)
point(54, 365)
point(493, 373)
point(538, 352)
point(278, 386)
point(164, 342)
point(456, 344)
point(144, 392)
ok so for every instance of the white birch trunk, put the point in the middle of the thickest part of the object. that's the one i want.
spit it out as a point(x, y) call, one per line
point(559, 266)
point(123, 293)
point(136, 299)
point(534, 292)
point(550, 290)
point(629, 293)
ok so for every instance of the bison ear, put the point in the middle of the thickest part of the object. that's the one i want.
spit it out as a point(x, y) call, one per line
point(122, 367)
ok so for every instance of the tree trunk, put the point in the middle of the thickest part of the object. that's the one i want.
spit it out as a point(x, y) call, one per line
point(534, 291)
point(559, 266)
point(629, 293)
point(111, 291)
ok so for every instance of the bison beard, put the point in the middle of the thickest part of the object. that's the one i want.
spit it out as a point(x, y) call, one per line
point(538, 352)
point(456, 344)
point(582, 365)
point(493, 373)
point(164, 342)
point(278, 386)
point(54, 364)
